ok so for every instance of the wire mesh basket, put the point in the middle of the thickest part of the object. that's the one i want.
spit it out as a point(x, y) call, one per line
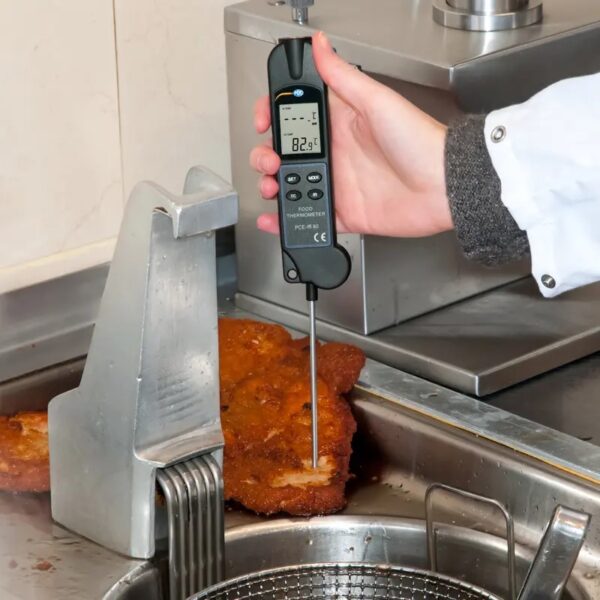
point(337, 581)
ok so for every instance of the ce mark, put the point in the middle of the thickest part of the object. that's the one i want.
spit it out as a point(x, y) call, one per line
point(320, 238)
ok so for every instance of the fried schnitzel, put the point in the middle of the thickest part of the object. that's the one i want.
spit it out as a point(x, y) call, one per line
point(266, 418)
point(24, 463)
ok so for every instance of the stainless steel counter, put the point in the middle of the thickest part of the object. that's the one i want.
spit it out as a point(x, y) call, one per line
point(39, 559)
point(411, 432)
point(410, 429)
point(566, 399)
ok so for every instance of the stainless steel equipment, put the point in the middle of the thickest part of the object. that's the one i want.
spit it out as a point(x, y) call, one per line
point(353, 581)
point(410, 433)
point(487, 15)
point(556, 555)
point(478, 345)
point(554, 559)
point(193, 491)
point(545, 580)
point(149, 395)
point(469, 496)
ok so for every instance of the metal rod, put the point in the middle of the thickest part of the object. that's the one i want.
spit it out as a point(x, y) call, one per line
point(300, 15)
point(432, 533)
point(313, 384)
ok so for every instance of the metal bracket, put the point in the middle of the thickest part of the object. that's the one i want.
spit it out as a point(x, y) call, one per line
point(149, 396)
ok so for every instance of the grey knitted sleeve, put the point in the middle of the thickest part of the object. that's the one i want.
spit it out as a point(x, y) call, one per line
point(485, 228)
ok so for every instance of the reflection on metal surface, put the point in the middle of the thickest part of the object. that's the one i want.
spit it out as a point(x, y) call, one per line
point(565, 399)
point(48, 323)
point(445, 72)
point(345, 581)
point(487, 15)
point(410, 433)
point(300, 10)
point(432, 532)
point(556, 555)
point(421, 433)
point(477, 346)
point(149, 395)
point(488, 6)
point(193, 492)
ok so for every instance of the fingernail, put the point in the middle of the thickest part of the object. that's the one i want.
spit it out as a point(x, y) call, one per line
point(260, 222)
point(324, 40)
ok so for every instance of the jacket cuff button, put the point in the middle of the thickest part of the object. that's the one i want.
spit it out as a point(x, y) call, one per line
point(548, 281)
point(498, 134)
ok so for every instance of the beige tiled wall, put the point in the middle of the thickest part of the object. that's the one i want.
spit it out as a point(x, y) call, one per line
point(60, 167)
point(84, 116)
point(172, 88)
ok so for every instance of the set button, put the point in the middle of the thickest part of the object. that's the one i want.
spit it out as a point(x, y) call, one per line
point(314, 177)
point(294, 195)
point(315, 194)
point(292, 178)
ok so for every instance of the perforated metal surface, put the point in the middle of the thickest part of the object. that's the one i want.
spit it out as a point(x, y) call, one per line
point(344, 582)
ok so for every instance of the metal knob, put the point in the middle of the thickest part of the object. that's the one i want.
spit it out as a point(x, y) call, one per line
point(487, 15)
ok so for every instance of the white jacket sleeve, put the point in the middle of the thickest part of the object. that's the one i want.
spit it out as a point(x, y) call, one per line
point(546, 152)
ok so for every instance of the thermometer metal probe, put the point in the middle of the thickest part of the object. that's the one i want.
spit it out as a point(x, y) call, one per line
point(300, 124)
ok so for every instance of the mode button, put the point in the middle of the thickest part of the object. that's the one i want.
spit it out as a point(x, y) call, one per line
point(314, 177)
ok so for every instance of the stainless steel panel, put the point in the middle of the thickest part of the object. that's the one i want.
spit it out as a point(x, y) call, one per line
point(51, 322)
point(480, 345)
point(565, 399)
point(259, 254)
point(401, 40)
point(48, 323)
point(406, 278)
point(445, 72)
point(392, 280)
point(149, 396)
point(516, 73)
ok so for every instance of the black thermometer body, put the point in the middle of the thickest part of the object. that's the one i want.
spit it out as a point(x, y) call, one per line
point(300, 125)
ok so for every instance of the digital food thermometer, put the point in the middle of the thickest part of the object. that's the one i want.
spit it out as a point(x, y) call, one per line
point(300, 125)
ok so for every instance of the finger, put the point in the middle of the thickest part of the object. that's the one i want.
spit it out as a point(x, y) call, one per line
point(268, 222)
point(268, 187)
point(262, 114)
point(353, 86)
point(264, 160)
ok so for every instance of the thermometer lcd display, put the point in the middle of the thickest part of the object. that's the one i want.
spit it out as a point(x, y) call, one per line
point(299, 128)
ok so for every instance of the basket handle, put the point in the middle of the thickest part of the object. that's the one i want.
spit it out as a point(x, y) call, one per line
point(432, 537)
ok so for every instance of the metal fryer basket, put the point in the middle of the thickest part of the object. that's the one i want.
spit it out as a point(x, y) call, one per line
point(353, 581)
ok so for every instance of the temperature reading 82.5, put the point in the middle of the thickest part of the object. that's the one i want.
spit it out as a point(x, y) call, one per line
point(299, 128)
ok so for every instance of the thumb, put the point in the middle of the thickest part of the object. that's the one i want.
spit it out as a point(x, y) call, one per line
point(353, 86)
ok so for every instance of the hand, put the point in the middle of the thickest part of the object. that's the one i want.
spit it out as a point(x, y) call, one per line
point(388, 156)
